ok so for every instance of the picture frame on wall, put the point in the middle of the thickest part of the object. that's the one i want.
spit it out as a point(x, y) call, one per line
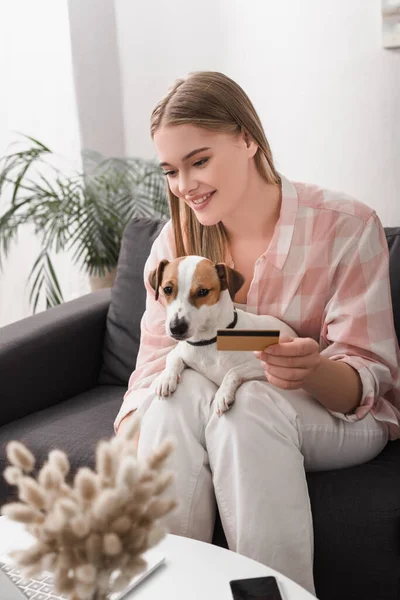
point(390, 23)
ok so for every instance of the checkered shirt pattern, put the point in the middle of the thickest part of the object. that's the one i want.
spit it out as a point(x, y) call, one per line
point(326, 274)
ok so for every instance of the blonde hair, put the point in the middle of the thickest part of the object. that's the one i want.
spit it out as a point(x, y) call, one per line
point(215, 102)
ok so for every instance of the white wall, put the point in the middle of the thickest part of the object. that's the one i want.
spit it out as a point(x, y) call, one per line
point(159, 41)
point(97, 75)
point(327, 93)
point(38, 99)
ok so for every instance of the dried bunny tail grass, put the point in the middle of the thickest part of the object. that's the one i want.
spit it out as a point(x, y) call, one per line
point(135, 565)
point(49, 561)
point(17, 511)
point(105, 460)
point(86, 485)
point(121, 525)
point(50, 477)
point(159, 456)
point(80, 526)
point(142, 493)
point(31, 492)
point(136, 542)
point(55, 521)
point(164, 480)
point(95, 530)
point(94, 551)
point(59, 460)
point(68, 506)
point(30, 556)
point(20, 456)
point(85, 591)
point(63, 583)
point(86, 574)
point(121, 581)
point(159, 507)
point(107, 505)
point(112, 545)
point(156, 535)
point(12, 475)
point(128, 473)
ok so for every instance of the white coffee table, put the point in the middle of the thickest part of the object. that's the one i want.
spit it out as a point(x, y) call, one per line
point(192, 569)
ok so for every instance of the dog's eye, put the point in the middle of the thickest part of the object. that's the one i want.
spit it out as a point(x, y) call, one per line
point(203, 292)
point(168, 290)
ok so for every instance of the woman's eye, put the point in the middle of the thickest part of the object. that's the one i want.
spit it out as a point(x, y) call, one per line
point(168, 290)
point(203, 292)
point(201, 162)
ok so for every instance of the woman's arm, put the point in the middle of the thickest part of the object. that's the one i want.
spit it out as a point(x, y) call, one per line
point(359, 360)
point(297, 363)
point(336, 385)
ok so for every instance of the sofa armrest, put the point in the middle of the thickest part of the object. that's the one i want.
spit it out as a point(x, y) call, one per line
point(51, 356)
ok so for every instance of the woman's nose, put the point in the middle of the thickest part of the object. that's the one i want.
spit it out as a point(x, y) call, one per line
point(186, 185)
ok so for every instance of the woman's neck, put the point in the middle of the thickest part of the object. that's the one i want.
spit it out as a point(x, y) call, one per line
point(258, 212)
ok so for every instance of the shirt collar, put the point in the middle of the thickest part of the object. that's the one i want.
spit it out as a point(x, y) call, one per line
point(279, 246)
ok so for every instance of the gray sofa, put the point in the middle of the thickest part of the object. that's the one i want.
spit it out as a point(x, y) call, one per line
point(63, 374)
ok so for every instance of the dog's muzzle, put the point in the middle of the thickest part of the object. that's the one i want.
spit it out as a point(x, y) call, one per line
point(179, 328)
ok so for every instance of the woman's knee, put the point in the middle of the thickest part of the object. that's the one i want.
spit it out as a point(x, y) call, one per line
point(260, 402)
point(189, 403)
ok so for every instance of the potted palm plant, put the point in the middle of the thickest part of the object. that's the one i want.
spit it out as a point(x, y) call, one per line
point(83, 212)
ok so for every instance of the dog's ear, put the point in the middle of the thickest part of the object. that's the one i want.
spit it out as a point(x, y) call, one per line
point(230, 279)
point(156, 276)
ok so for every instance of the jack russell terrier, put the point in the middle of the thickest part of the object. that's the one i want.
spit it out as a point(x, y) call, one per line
point(199, 297)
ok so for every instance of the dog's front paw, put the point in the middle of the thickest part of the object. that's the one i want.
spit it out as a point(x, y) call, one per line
point(165, 384)
point(224, 399)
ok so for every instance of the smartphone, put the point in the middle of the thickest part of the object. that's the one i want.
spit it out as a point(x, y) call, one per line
point(257, 588)
point(246, 339)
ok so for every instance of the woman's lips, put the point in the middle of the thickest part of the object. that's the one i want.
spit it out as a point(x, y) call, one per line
point(200, 206)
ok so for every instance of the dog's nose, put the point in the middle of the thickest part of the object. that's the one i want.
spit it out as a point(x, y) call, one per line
point(178, 328)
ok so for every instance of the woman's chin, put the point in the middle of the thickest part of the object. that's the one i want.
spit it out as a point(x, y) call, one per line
point(207, 220)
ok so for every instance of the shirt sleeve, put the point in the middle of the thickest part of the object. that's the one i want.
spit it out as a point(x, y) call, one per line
point(154, 343)
point(358, 328)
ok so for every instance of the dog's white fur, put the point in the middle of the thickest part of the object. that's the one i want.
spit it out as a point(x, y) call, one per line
point(227, 369)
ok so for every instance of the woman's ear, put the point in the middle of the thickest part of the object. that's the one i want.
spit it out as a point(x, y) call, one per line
point(230, 279)
point(156, 276)
point(250, 143)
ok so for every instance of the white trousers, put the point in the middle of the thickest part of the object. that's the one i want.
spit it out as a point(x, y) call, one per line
point(251, 462)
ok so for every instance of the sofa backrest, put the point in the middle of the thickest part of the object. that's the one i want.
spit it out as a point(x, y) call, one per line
point(393, 239)
point(128, 297)
point(128, 302)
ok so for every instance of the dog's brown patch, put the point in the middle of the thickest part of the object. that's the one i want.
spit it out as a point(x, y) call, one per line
point(229, 278)
point(170, 279)
point(205, 277)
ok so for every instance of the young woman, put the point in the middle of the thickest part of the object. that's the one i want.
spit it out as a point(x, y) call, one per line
point(313, 258)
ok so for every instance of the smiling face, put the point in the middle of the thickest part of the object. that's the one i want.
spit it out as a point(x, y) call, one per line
point(208, 170)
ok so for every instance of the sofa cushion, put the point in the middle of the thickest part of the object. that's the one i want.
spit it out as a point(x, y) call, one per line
point(393, 239)
point(358, 511)
point(74, 426)
point(356, 519)
point(128, 300)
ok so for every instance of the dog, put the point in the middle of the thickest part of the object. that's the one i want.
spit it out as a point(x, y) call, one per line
point(199, 300)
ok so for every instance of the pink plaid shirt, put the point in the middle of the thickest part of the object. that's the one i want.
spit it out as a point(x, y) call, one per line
point(325, 273)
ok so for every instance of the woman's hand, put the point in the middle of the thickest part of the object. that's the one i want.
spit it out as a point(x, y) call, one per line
point(290, 363)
